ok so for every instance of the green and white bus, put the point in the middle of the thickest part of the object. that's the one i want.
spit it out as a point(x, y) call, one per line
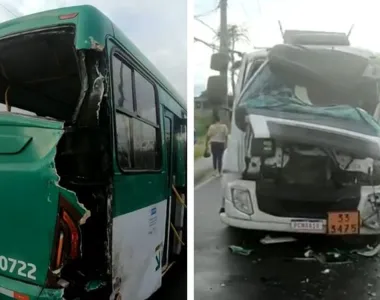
point(92, 161)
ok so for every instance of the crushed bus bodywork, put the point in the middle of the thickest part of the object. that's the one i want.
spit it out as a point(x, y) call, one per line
point(307, 138)
point(55, 167)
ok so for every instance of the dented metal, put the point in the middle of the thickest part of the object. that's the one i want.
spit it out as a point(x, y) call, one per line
point(84, 83)
point(96, 45)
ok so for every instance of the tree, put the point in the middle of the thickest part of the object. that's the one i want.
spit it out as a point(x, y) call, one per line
point(236, 34)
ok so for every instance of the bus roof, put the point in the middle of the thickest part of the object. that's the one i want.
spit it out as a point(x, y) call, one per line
point(93, 26)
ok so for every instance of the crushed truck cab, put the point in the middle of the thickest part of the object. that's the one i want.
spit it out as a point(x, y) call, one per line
point(304, 151)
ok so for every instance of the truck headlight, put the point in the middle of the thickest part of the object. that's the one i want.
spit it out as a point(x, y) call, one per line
point(241, 199)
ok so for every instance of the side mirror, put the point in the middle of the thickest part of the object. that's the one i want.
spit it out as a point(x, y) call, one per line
point(217, 90)
point(219, 62)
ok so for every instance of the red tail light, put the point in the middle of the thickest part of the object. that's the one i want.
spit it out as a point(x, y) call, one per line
point(74, 234)
point(68, 16)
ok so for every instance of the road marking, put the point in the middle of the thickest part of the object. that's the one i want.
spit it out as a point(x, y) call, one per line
point(205, 182)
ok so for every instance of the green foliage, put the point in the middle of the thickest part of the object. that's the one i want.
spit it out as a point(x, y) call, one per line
point(201, 123)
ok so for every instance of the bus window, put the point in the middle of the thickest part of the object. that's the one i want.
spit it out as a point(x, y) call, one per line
point(122, 76)
point(145, 98)
point(136, 125)
point(124, 142)
point(145, 146)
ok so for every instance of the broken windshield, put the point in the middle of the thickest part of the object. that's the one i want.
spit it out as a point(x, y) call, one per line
point(290, 90)
point(281, 89)
point(40, 74)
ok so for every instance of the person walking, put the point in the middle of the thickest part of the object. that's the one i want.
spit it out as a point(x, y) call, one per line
point(217, 136)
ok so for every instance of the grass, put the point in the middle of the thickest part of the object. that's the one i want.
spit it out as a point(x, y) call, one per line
point(199, 147)
point(201, 123)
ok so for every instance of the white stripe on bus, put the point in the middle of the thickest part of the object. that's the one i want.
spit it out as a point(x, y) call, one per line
point(6, 292)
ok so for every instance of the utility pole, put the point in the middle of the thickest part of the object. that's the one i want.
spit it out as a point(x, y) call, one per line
point(224, 39)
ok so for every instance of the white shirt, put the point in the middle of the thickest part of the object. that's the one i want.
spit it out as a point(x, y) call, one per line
point(218, 133)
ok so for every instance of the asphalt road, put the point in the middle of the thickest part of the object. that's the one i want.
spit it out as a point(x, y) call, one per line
point(271, 272)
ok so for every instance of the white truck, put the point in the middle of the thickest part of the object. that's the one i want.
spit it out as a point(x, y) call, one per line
point(304, 150)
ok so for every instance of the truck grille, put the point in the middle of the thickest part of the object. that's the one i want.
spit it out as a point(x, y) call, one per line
point(294, 201)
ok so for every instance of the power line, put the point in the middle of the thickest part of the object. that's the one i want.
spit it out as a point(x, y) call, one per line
point(212, 46)
point(215, 47)
point(8, 10)
point(208, 12)
point(205, 24)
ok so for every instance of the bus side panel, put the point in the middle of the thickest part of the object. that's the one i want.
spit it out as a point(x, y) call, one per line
point(137, 245)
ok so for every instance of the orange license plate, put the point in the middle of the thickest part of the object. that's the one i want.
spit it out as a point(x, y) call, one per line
point(343, 223)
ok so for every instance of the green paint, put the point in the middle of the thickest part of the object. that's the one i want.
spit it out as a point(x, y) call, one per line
point(29, 198)
point(29, 194)
point(94, 285)
point(134, 191)
point(33, 291)
point(91, 24)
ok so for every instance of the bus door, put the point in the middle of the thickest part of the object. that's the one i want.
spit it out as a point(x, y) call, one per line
point(169, 148)
point(179, 206)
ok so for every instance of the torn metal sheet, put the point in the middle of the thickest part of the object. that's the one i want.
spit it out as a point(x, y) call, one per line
point(89, 111)
point(84, 83)
point(304, 259)
point(320, 257)
point(79, 207)
point(96, 45)
point(276, 240)
point(369, 252)
point(313, 259)
point(98, 88)
point(94, 285)
point(240, 250)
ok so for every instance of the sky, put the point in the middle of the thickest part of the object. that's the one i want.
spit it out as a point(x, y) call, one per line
point(260, 18)
point(159, 32)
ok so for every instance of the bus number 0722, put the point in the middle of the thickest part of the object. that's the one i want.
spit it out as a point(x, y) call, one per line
point(22, 268)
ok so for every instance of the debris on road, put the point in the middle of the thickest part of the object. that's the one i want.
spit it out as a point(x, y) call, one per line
point(331, 257)
point(368, 252)
point(94, 285)
point(276, 240)
point(334, 254)
point(240, 250)
point(304, 259)
point(326, 271)
point(317, 256)
point(372, 294)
